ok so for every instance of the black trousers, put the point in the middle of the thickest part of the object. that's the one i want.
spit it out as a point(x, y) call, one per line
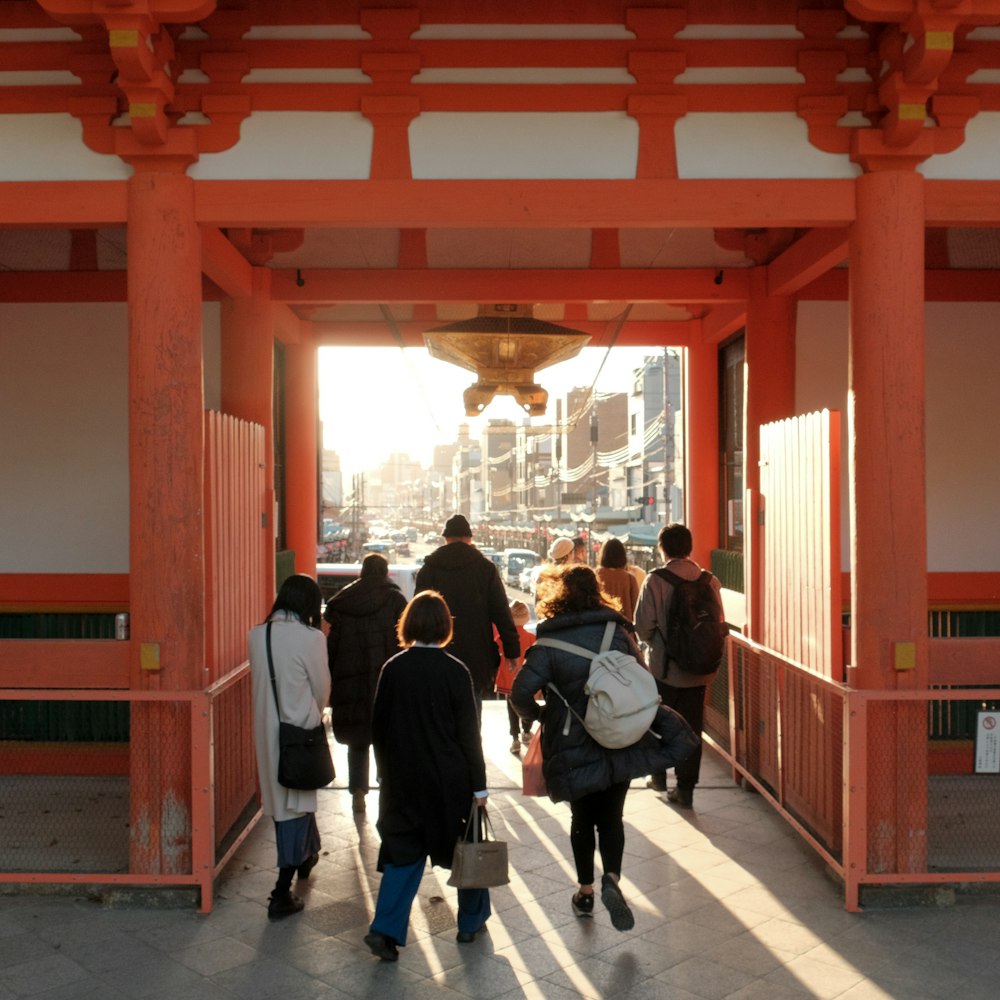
point(601, 810)
point(689, 703)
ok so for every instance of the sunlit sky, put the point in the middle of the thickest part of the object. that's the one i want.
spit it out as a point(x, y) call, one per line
point(375, 401)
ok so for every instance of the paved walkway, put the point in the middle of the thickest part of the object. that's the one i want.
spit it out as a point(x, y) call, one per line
point(728, 904)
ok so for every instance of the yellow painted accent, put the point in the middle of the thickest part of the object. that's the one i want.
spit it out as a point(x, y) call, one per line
point(142, 110)
point(149, 656)
point(911, 112)
point(904, 655)
point(122, 38)
point(939, 40)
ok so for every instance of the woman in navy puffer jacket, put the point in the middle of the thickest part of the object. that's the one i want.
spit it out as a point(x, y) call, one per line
point(578, 769)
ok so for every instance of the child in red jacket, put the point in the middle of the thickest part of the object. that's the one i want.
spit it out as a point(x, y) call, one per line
point(519, 612)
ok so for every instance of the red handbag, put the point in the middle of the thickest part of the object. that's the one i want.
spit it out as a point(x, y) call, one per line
point(532, 778)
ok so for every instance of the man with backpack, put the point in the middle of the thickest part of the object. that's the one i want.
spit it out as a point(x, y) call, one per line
point(679, 616)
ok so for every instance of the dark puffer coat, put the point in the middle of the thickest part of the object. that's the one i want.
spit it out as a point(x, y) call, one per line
point(574, 764)
point(471, 585)
point(362, 637)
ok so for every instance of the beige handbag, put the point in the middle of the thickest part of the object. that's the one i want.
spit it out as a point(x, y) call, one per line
point(479, 863)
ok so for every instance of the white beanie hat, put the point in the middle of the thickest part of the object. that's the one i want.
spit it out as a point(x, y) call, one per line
point(560, 549)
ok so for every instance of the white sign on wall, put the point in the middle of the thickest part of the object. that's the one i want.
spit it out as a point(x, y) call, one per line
point(988, 743)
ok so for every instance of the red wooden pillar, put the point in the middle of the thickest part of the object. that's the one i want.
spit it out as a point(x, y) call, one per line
point(888, 509)
point(702, 434)
point(301, 455)
point(166, 537)
point(248, 386)
point(770, 396)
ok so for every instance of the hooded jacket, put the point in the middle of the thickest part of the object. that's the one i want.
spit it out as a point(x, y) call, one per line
point(362, 637)
point(471, 586)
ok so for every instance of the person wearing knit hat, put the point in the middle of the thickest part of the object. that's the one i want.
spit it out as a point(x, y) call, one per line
point(457, 527)
point(561, 551)
point(476, 599)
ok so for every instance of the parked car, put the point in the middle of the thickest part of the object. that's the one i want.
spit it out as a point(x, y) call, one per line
point(529, 575)
point(515, 560)
point(383, 546)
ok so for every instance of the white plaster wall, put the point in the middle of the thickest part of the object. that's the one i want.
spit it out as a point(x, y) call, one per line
point(962, 417)
point(763, 145)
point(50, 148)
point(977, 159)
point(294, 145)
point(538, 146)
point(64, 505)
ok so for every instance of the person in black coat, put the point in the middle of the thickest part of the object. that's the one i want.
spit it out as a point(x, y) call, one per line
point(577, 768)
point(362, 636)
point(472, 587)
point(425, 731)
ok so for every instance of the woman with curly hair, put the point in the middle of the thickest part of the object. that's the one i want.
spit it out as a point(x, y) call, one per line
point(577, 769)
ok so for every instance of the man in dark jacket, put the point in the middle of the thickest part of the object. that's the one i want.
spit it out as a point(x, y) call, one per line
point(471, 585)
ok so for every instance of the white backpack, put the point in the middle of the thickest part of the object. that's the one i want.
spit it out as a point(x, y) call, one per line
point(622, 696)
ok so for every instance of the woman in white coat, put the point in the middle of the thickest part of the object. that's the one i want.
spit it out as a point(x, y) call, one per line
point(302, 677)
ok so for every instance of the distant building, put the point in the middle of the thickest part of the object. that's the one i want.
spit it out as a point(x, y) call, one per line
point(332, 481)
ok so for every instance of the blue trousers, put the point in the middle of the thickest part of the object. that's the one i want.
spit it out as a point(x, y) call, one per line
point(398, 890)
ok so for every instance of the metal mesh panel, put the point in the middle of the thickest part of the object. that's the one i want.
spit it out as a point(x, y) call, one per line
point(61, 823)
point(165, 808)
point(925, 814)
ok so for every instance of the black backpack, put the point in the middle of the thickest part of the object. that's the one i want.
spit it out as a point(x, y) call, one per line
point(695, 637)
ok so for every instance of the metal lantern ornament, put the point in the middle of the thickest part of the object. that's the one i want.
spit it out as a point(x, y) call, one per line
point(504, 345)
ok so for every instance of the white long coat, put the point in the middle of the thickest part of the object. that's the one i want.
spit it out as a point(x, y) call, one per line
point(303, 680)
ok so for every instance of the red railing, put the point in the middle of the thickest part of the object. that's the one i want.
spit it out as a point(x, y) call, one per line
point(820, 752)
point(217, 809)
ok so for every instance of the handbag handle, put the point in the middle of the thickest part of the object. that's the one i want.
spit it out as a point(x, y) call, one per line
point(473, 826)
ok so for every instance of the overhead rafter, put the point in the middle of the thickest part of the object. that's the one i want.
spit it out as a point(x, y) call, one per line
point(805, 260)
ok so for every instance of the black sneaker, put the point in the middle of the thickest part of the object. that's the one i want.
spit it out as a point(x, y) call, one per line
point(583, 904)
point(308, 865)
point(283, 905)
point(612, 898)
point(381, 946)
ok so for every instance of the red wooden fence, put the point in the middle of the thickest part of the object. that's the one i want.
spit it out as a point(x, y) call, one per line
point(235, 539)
point(800, 497)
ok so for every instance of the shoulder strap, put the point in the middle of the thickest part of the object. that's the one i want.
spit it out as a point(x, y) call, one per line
point(569, 647)
point(270, 668)
point(669, 575)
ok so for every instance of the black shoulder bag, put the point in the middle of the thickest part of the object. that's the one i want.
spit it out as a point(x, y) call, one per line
point(304, 760)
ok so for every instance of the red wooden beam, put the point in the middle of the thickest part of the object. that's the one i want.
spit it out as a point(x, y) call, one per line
point(634, 333)
point(525, 204)
point(499, 285)
point(63, 663)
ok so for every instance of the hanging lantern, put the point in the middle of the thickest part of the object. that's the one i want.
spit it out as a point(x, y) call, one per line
point(505, 346)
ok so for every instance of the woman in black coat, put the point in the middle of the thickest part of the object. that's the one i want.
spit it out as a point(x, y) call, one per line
point(425, 730)
point(362, 636)
point(577, 768)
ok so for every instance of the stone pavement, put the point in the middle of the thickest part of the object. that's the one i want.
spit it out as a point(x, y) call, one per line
point(728, 904)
